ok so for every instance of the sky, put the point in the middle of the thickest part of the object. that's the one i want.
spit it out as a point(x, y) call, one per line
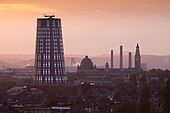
point(92, 27)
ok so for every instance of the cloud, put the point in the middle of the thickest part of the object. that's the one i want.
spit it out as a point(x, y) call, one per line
point(24, 7)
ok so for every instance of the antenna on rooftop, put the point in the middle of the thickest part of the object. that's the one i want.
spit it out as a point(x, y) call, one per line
point(49, 16)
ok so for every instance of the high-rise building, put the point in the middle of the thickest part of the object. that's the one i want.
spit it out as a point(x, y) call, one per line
point(49, 54)
point(137, 58)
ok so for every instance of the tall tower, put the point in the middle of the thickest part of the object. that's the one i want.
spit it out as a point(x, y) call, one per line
point(137, 58)
point(49, 53)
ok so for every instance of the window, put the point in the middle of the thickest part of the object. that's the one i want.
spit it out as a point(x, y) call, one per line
point(56, 78)
point(40, 78)
point(48, 23)
point(49, 57)
point(46, 79)
point(59, 72)
point(48, 71)
point(58, 22)
point(51, 78)
point(49, 64)
point(53, 23)
point(55, 72)
point(54, 57)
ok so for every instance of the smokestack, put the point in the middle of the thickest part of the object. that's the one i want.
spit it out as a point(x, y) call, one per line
point(111, 59)
point(121, 57)
point(130, 60)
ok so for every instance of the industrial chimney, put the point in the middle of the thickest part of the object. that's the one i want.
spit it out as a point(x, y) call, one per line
point(130, 60)
point(111, 59)
point(121, 57)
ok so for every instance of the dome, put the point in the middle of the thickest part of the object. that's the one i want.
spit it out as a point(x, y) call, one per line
point(86, 64)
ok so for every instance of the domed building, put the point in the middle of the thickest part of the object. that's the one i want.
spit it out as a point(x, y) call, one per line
point(86, 64)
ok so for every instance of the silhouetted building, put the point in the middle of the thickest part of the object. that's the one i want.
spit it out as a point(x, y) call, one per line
point(137, 58)
point(107, 66)
point(49, 55)
point(86, 64)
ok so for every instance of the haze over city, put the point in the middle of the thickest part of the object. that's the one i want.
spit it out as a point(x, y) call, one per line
point(89, 26)
point(84, 56)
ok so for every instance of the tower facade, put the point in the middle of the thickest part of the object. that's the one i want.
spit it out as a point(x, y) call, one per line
point(137, 58)
point(49, 53)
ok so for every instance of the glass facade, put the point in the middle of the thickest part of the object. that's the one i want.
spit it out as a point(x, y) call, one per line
point(49, 55)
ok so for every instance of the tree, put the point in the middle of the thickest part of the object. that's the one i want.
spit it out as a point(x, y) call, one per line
point(133, 82)
point(166, 98)
point(145, 95)
point(128, 106)
point(156, 110)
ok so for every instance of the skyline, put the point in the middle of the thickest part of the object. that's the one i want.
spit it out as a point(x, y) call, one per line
point(107, 24)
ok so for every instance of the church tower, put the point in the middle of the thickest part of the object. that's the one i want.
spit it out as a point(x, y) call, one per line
point(137, 58)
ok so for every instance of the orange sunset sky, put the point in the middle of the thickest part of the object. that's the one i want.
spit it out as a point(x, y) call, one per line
point(89, 26)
